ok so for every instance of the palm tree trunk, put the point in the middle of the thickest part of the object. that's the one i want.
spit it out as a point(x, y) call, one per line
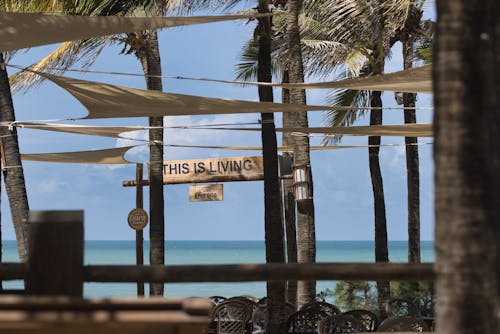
point(13, 170)
point(306, 232)
point(150, 60)
point(275, 248)
point(289, 200)
point(467, 165)
point(412, 162)
point(381, 246)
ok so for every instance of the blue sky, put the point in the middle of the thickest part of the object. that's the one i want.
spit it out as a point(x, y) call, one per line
point(343, 196)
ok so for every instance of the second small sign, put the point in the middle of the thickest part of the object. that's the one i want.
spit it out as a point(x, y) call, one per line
point(206, 192)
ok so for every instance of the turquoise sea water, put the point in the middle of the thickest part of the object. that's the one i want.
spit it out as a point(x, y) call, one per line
point(217, 252)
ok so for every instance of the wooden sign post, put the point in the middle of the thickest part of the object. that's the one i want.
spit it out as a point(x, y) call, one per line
point(139, 238)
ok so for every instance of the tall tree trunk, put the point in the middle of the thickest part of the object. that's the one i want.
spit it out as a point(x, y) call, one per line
point(275, 248)
point(381, 246)
point(412, 162)
point(13, 169)
point(289, 199)
point(467, 166)
point(306, 232)
point(1, 239)
point(150, 60)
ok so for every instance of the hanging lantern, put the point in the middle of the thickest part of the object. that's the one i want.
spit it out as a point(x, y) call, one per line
point(302, 182)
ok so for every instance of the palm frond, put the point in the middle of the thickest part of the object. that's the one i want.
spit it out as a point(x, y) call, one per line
point(59, 61)
point(246, 68)
point(345, 97)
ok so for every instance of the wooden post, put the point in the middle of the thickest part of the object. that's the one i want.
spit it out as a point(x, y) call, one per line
point(139, 202)
point(56, 253)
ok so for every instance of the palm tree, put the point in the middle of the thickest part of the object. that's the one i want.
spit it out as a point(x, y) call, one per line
point(148, 53)
point(13, 171)
point(467, 161)
point(247, 71)
point(414, 32)
point(363, 30)
point(145, 46)
point(272, 197)
point(306, 231)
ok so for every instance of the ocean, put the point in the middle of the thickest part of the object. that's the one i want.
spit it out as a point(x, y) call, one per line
point(216, 252)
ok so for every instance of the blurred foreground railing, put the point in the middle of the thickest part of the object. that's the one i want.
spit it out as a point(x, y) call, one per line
point(55, 274)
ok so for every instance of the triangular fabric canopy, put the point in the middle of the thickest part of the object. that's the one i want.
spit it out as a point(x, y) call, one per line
point(413, 80)
point(111, 156)
point(406, 130)
point(110, 101)
point(280, 148)
point(104, 131)
point(20, 30)
point(116, 155)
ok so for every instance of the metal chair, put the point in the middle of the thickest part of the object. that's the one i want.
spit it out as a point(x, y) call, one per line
point(367, 318)
point(340, 323)
point(305, 321)
point(253, 304)
point(328, 308)
point(259, 316)
point(403, 324)
point(232, 317)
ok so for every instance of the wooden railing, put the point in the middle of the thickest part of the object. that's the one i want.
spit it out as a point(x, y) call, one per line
point(56, 267)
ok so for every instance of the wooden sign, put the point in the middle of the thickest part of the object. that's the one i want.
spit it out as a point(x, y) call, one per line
point(213, 170)
point(206, 192)
point(137, 219)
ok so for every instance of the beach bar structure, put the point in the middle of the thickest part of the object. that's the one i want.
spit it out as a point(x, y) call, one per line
point(467, 270)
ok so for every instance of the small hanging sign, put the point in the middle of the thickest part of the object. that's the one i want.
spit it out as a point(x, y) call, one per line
point(137, 219)
point(206, 192)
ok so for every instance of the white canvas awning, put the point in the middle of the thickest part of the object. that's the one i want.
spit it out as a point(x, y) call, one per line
point(108, 156)
point(406, 130)
point(110, 101)
point(20, 30)
point(104, 131)
point(414, 80)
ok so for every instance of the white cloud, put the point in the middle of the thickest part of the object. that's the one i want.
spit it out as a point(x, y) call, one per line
point(47, 186)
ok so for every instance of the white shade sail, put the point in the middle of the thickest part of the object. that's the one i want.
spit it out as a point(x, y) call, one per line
point(108, 156)
point(110, 101)
point(413, 80)
point(104, 131)
point(20, 30)
point(406, 130)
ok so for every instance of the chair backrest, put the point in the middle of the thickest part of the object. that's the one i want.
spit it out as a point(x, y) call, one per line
point(399, 307)
point(305, 321)
point(253, 304)
point(330, 309)
point(403, 324)
point(259, 316)
point(367, 318)
point(340, 323)
point(232, 316)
